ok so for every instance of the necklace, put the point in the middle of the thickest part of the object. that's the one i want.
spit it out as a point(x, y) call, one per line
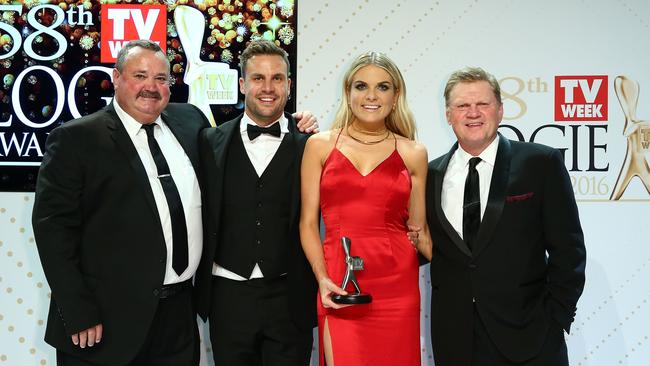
point(367, 142)
point(371, 133)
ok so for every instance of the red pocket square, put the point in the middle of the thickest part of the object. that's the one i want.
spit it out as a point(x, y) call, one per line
point(519, 197)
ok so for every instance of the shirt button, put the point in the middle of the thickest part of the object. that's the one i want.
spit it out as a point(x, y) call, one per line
point(259, 185)
point(472, 266)
point(258, 242)
point(258, 223)
point(259, 204)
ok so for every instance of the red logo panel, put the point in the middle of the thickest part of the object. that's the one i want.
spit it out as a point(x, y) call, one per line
point(581, 98)
point(123, 23)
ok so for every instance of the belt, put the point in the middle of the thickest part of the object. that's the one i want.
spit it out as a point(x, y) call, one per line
point(166, 291)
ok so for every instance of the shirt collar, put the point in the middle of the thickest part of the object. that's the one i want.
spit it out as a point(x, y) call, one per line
point(489, 155)
point(246, 120)
point(130, 124)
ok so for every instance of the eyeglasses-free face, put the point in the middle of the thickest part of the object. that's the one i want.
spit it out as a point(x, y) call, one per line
point(474, 114)
point(142, 88)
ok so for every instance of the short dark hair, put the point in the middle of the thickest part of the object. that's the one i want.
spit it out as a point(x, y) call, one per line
point(471, 75)
point(261, 47)
point(142, 43)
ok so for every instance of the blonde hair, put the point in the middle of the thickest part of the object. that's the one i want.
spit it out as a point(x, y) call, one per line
point(400, 120)
point(472, 75)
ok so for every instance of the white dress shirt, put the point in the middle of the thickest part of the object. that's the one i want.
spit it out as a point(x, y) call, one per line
point(453, 184)
point(260, 152)
point(185, 179)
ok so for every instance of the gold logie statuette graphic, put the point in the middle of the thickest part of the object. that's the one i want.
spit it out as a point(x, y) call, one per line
point(209, 82)
point(638, 138)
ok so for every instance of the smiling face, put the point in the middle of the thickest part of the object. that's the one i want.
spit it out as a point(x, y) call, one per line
point(372, 95)
point(142, 87)
point(266, 87)
point(474, 114)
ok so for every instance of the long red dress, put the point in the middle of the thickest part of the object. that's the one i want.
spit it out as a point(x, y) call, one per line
point(372, 211)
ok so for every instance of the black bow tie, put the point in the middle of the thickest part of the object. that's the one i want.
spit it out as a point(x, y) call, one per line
point(254, 130)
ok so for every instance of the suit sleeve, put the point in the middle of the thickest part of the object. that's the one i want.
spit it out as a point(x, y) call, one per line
point(204, 121)
point(565, 243)
point(203, 277)
point(57, 220)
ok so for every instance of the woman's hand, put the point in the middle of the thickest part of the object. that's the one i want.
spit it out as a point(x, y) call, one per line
point(327, 288)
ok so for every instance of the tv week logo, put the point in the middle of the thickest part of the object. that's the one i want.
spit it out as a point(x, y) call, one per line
point(123, 23)
point(581, 98)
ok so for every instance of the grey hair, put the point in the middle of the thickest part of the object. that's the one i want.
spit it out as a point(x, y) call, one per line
point(142, 43)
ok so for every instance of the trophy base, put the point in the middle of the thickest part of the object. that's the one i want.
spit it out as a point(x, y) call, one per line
point(352, 299)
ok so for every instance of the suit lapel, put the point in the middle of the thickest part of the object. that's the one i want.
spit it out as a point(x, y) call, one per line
point(446, 225)
point(496, 198)
point(219, 143)
point(184, 137)
point(298, 140)
point(124, 144)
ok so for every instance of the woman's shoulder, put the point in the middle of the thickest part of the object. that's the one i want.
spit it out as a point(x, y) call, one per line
point(323, 141)
point(323, 137)
point(414, 155)
point(410, 147)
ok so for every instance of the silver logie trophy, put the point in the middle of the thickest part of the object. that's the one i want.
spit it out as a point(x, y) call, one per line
point(351, 264)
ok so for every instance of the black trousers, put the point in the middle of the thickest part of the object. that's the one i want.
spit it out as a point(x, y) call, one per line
point(250, 325)
point(485, 352)
point(173, 339)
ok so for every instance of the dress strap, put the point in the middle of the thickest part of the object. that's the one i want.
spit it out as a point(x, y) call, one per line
point(337, 137)
point(394, 138)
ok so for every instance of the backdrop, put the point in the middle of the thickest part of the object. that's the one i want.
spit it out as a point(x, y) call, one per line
point(574, 75)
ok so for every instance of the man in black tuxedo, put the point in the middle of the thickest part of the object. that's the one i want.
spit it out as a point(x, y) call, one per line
point(508, 250)
point(117, 222)
point(254, 282)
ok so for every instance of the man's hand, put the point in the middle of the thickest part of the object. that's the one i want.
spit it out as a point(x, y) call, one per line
point(414, 235)
point(307, 122)
point(421, 240)
point(88, 337)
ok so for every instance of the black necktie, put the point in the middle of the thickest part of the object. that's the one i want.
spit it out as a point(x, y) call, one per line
point(254, 130)
point(471, 204)
point(179, 230)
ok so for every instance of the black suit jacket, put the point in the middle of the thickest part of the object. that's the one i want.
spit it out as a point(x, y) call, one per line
point(213, 144)
point(98, 231)
point(516, 288)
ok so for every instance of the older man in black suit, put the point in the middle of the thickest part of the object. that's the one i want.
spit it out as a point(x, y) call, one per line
point(508, 250)
point(117, 222)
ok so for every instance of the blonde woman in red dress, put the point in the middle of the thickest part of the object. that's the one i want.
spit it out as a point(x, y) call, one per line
point(367, 177)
